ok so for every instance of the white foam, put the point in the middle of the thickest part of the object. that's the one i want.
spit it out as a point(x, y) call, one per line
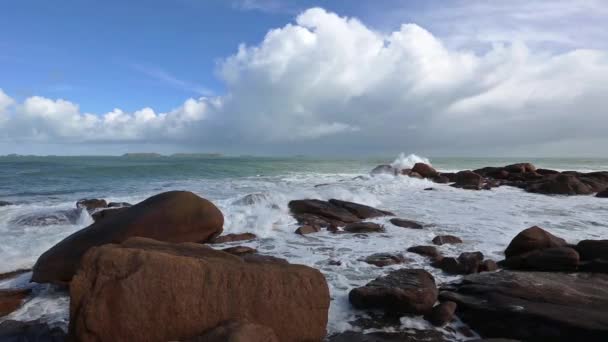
point(407, 162)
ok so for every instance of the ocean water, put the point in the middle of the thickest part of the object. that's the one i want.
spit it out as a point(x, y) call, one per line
point(44, 191)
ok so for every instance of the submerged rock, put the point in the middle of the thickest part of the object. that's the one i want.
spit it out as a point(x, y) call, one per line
point(404, 291)
point(306, 230)
point(234, 238)
point(446, 239)
point(411, 335)
point(387, 169)
point(91, 204)
point(48, 218)
point(175, 216)
point(405, 223)
point(442, 313)
point(429, 251)
point(239, 250)
point(534, 306)
point(364, 227)
point(384, 259)
point(206, 287)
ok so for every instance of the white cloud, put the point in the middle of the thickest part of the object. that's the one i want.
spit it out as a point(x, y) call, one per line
point(327, 80)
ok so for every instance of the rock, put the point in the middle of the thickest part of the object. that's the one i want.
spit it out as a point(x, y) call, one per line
point(595, 266)
point(534, 306)
point(110, 295)
point(602, 194)
point(449, 265)
point(119, 204)
point(520, 168)
point(105, 213)
point(175, 216)
point(384, 259)
point(306, 230)
point(240, 250)
point(11, 300)
point(593, 249)
point(13, 274)
point(324, 210)
point(91, 204)
point(441, 179)
point(429, 189)
point(405, 223)
point(410, 335)
point(263, 259)
point(488, 266)
point(425, 170)
point(470, 261)
point(531, 239)
point(546, 172)
point(560, 184)
point(413, 174)
point(234, 238)
point(549, 259)
point(360, 210)
point(468, 179)
point(429, 251)
point(364, 227)
point(404, 291)
point(48, 218)
point(238, 331)
point(33, 331)
point(384, 169)
point(446, 239)
point(5, 203)
point(442, 314)
point(451, 176)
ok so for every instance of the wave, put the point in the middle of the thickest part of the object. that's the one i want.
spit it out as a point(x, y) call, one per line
point(407, 162)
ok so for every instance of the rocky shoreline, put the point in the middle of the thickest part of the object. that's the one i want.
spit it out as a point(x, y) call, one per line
point(152, 272)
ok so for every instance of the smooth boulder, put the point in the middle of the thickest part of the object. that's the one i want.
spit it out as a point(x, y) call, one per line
point(406, 223)
point(175, 216)
point(564, 259)
point(531, 239)
point(146, 290)
point(364, 227)
point(425, 170)
point(446, 239)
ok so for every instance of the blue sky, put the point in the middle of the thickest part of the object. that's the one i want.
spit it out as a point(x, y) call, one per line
point(272, 76)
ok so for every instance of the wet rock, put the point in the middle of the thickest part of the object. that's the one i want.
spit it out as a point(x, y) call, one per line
point(488, 266)
point(234, 238)
point(531, 239)
point(91, 204)
point(534, 306)
point(546, 172)
point(470, 261)
point(323, 210)
point(206, 287)
point(404, 291)
point(334, 262)
point(468, 179)
point(425, 170)
point(441, 179)
point(449, 265)
point(11, 300)
point(429, 251)
point(446, 239)
point(560, 184)
point(442, 314)
point(240, 250)
point(602, 194)
point(105, 213)
point(252, 199)
point(364, 227)
point(48, 218)
point(175, 216)
point(306, 230)
point(405, 223)
point(594, 266)
point(360, 210)
point(119, 204)
point(411, 335)
point(549, 259)
point(384, 259)
point(388, 169)
point(593, 249)
point(451, 176)
point(263, 259)
point(429, 189)
point(238, 331)
point(413, 174)
point(520, 168)
point(32, 331)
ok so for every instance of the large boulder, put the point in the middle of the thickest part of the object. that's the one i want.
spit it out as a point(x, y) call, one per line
point(364, 227)
point(425, 170)
point(442, 314)
point(549, 259)
point(146, 290)
point(175, 216)
point(405, 223)
point(384, 259)
point(468, 179)
point(593, 249)
point(322, 210)
point(360, 210)
point(531, 239)
point(446, 239)
point(388, 169)
point(404, 291)
point(534, 306)
point(602, 194)
point(560, 184)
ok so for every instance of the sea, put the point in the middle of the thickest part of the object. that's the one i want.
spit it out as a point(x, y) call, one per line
point(43, 192)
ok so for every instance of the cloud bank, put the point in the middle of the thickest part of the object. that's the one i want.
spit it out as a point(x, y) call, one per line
point(327, 80)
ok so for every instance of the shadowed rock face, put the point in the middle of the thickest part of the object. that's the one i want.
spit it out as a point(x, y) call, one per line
point(175, 216)
point(404, 291)
point(146, 290)
point(333, 213)
point(534, 306)
point(549, 259)
point(15, 331)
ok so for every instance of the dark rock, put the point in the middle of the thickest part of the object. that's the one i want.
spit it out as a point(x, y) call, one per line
point(317, 221)
point(384, 259)
point(446, 239)
point(442, 314)
point(105, 213)
point(91, 204)
point(441, 179)
point(411, 335)
point(238, 331)
point(425, 170)
point(520, 168)
point(119, 204)
point(404, 291)
point(324, 210)
point(429, 189)
point(252, 199)
point(405, 223)
point(11, 300)
point(361, 211)
point(234, 237)
point(602, 194)
point(534, 306)
point(468, 179)
point(560, 184)
point(306, 230)
point(449, 265)
point(531, 239)
point(384, 169)
point(413, 174)
point(595, 266)
point(548, 259)
point(239, 250)
point(33, 331)
point(364, 227)
point(334, 262)
point(429, 251)
point(48, 218)
point(488, 266)
point(451, 176)
point(175, 216)
point(5, 203)
point(111, 294)
point(546, 172)
point(263, 259)
point(470, 261)
point(592, 249)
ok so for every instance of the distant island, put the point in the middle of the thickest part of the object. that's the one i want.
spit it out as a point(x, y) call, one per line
point(142, 155)
point(175, 155)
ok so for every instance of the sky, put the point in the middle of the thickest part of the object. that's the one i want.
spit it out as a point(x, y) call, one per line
point(271, 77)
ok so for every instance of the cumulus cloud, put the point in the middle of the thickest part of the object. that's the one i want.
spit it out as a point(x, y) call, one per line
point(327, 80)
